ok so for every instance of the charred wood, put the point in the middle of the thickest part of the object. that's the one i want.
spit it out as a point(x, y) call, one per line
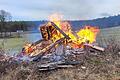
point(42, 52)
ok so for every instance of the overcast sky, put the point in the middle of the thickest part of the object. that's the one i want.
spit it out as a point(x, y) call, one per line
point(71, 9)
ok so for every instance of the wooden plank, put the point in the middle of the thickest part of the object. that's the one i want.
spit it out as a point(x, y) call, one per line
point(57, 65)
point(95, 47)
point(66, 36)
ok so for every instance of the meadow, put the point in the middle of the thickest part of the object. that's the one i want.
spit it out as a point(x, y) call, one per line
point(13, 46)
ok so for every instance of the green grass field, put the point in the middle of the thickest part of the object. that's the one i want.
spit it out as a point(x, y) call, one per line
point(108, 34)
point(12, 45)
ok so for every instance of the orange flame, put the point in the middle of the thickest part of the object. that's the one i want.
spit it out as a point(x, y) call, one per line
point(88, 34)
point(85, 35)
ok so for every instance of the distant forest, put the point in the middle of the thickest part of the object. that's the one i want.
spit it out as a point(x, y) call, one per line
point(7, 25)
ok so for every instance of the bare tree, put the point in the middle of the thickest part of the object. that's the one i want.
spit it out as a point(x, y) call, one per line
point(4, 18)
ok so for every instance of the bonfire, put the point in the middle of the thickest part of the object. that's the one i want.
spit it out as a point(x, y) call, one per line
point(60, 45)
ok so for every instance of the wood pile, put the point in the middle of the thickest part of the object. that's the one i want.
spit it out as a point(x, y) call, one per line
point(50, 53)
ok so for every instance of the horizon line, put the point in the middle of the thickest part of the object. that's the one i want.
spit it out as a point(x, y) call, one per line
point(71, 19)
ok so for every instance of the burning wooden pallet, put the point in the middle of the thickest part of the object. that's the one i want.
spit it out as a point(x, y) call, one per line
point(47, 32)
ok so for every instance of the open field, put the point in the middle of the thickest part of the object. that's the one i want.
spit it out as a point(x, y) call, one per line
point(14, 45)
point(110, 32)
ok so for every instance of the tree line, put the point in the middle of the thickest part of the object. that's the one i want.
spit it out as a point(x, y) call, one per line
point(7, 25)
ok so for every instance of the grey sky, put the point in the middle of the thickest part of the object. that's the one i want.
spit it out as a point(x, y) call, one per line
point(71, 9)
